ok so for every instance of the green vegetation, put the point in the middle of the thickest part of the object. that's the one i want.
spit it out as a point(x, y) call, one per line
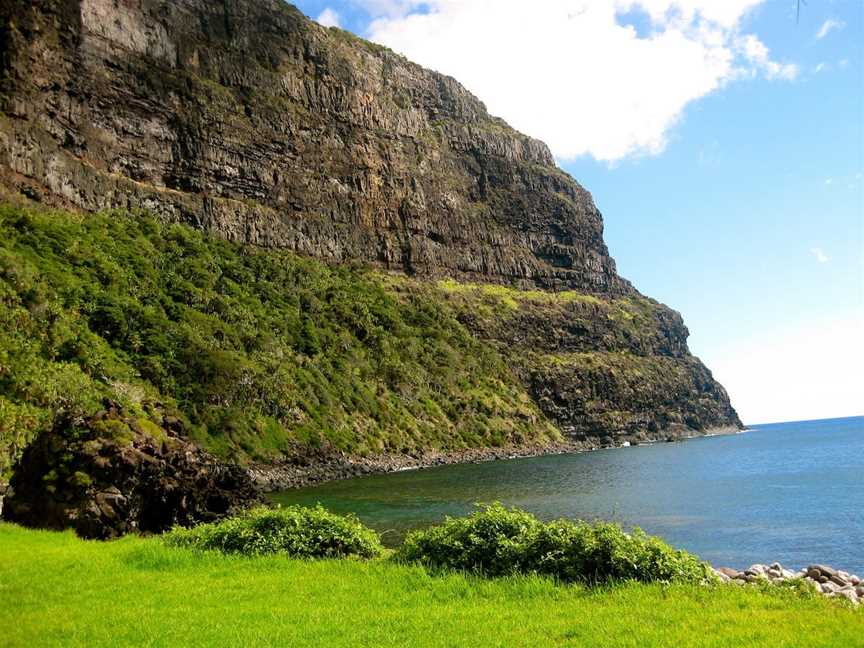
point(498, 542)
point(293, 531)
point(58, 590)
point(255, 350)
point(629, 322)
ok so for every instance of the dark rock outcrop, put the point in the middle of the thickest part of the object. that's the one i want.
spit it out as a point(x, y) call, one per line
point(112, 474)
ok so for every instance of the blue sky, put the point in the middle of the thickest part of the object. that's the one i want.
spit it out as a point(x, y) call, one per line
point(723, 145)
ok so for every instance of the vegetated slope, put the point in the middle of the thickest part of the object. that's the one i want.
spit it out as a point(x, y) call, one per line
point(259, 351)
point(262, 353)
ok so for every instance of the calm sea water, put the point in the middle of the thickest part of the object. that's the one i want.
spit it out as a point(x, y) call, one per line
point(792, 492)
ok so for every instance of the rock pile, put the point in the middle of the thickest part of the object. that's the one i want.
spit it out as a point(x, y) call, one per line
point(827, 580)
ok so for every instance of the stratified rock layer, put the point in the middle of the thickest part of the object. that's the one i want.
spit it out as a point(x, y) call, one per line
point(248, 120)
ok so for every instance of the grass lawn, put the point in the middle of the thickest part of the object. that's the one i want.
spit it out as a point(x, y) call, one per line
point(58, 590)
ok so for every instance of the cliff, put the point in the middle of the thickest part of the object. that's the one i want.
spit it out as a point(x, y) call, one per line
point(388, 269)
point(248, 120)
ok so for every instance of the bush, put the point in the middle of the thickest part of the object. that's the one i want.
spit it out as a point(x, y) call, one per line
point(294, 531)
point(496, 542)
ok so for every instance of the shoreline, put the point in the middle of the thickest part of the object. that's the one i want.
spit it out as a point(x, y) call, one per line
point(320, 466)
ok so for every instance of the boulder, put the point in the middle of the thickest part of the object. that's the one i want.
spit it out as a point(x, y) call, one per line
point(113, 473)
point(755, 570)
point(728, 572)
point(825, 570)
point(849, 595)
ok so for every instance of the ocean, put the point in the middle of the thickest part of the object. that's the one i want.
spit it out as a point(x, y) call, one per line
point(787, 492)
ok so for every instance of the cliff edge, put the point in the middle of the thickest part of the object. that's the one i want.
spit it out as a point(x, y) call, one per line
point(252, 122)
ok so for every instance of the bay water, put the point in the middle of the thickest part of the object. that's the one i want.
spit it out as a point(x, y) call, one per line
point(788, 492)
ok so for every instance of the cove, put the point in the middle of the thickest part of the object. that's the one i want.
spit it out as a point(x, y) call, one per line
point(790, 492)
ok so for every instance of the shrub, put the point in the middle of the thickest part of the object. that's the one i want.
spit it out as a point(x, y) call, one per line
point(259, 350)
point(496, 541)
point(294, 531)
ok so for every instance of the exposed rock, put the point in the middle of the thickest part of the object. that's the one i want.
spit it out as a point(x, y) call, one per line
point(728, 572)
point(611, 371)
point(247, 120)
point(815, 576)
point(826, 571)
point(112, 474)
point(850, 596)
point(308, 466)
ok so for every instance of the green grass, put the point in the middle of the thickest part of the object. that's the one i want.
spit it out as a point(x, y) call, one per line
point(58, 590)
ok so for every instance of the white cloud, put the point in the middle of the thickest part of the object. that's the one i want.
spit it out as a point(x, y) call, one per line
point(828, 26)
point(820, 255)
point(809, 372)
point(329, 18)
point(572, 73)
point(757, 53)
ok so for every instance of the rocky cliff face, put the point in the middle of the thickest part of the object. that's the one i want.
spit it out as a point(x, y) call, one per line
point(247, 120)
point(605, 370)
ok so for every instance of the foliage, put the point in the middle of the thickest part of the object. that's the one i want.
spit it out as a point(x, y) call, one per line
point(57, 590)
point(496, 541)
point(257, 350)
point(294, 531)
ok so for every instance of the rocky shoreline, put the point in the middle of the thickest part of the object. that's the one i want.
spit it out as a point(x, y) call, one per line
point(830, 582)
point(312, 467)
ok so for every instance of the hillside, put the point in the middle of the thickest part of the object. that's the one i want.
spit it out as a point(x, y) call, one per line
point(263, 352)
point(228, 224)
